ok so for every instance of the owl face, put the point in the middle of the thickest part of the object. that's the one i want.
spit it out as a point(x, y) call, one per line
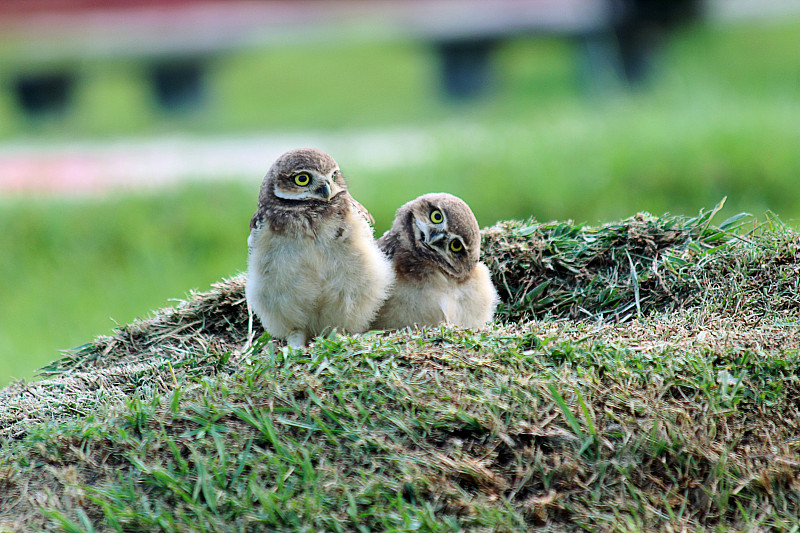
point(305, 175)
point(443, 230)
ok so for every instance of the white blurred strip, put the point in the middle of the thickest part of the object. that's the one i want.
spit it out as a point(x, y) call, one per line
point(739, 10)
point(97, 167)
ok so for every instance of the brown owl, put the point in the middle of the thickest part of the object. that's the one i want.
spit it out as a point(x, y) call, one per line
point(434, 245)
point(312, 262)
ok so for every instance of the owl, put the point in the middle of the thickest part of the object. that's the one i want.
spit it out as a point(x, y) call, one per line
point(313, 264)
point(434, 244)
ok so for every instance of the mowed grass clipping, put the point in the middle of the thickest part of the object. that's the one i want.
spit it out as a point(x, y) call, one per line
point(683, 418)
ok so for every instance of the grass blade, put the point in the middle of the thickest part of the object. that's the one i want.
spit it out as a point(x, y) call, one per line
point(568, 416)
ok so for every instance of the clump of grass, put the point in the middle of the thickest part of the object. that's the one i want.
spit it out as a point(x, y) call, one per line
point(642, 264)
point(682, 418)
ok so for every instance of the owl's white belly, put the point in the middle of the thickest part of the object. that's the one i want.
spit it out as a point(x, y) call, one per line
point(298, 283)
point(440, 299)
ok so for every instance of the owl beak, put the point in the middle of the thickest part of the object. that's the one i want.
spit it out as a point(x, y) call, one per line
point(325, 190)
point(435, 236)
point(328, 190)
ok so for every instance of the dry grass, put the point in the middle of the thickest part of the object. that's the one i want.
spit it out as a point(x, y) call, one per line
point(643, 379)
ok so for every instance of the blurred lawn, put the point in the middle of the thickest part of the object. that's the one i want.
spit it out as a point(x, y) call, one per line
point(722, 119)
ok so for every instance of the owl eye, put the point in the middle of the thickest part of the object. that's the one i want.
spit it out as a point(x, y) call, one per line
point(437, 217)
point(456, 246)
point(302, 179)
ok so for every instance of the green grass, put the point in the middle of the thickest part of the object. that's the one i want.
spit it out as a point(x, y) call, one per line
point(75, 268)
point(432, 431)
point(397, 82)
point(307, 87)
point(719, 121)
point(683, 418)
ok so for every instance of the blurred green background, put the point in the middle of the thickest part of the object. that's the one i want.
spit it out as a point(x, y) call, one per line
point(720, 117)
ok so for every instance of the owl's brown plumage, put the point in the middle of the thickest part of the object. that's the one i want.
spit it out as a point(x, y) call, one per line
point(312, 262)
point(279, 197)
point(434, 244)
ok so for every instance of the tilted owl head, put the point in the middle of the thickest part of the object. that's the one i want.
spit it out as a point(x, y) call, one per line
point(442, 229)
point(304, 175)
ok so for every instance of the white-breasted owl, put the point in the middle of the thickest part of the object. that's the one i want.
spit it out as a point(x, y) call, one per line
point(313, 264)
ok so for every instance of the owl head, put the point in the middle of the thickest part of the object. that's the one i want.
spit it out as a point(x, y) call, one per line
point(439, 228)
point(304, 175)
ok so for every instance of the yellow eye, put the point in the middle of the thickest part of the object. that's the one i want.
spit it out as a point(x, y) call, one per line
point(302, 179)
point(437, 217)
point(456, 245)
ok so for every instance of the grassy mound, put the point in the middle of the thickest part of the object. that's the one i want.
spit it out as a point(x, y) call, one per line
point(642, 375)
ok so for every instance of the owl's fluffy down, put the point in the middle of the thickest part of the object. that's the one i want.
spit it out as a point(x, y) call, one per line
point(303, 283)
point(437, 299)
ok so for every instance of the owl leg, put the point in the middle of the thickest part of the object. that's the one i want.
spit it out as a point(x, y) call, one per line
point(296, 339)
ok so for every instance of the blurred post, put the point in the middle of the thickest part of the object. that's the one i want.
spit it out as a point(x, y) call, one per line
point(466, 67)
point(179, 84)
point(640, 28)
point(44, 93)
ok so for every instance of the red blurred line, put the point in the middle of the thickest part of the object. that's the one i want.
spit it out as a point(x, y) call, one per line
point(33, 7)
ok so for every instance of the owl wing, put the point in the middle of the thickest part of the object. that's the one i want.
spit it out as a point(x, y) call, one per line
point(389, 243)
point(360, 209)
point(258, 218)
